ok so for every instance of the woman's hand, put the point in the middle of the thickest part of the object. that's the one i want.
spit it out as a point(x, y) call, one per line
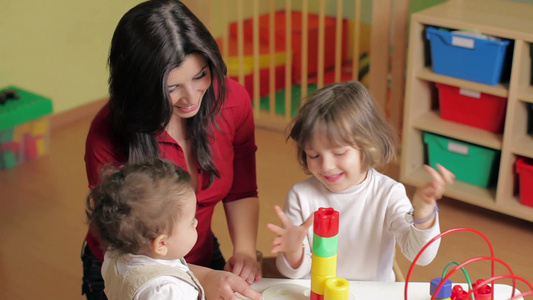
point(244, 266)
point(289, 237)
point(223, 285)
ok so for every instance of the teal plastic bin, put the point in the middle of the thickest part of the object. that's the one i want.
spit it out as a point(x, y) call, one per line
point(470, 163)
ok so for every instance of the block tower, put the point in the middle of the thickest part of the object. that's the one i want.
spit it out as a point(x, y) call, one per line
point(325, 242)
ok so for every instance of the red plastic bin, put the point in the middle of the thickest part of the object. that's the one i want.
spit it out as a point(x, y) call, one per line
point(524, 169)
point(472, 108)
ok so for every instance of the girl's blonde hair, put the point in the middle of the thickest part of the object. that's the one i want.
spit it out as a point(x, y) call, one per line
point(136, 203)
point(347, 115)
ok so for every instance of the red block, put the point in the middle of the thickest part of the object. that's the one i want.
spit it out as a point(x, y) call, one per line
point(524, 168)
point(326, 222)
point(472, 108)
point(30, 147)
point(11, 146)
point(264, 81)
point(315, 296)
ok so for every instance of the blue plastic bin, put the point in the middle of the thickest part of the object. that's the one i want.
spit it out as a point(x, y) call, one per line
point(466, 57)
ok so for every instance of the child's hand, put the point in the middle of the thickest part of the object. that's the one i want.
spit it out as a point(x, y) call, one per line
point(290, 237)
point(244, 266)
point(426, 197)
point(224, 285)
point(433, 191)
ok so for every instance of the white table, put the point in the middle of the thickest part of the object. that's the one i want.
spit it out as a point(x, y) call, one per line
point(365, 290)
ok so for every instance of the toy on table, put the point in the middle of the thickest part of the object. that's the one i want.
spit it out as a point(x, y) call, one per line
point(441, 287)
point(24, 130)
point(324, 283)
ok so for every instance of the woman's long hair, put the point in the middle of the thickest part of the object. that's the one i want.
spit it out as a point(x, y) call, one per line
point(150, 40)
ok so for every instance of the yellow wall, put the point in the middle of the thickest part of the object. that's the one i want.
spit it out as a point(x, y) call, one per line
point(58, 48)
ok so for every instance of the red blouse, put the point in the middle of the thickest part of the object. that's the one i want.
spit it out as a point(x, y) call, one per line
point(233, 152)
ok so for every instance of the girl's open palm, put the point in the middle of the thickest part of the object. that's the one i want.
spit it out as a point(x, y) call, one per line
point(289, 237)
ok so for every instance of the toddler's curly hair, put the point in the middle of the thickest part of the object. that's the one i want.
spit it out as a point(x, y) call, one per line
point(134, 204)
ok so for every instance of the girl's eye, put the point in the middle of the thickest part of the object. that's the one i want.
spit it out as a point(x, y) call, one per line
point(340, 153)
point(312, 156)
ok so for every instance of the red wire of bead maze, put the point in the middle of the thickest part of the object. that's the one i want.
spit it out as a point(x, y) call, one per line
point(491, 280)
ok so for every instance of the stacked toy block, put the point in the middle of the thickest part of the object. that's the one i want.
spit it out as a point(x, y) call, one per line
point(24, 126)
point(324, 283)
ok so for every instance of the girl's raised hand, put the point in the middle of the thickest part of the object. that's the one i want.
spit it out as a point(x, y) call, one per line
point(426, 197)
point(433, 191)
point(289, 237)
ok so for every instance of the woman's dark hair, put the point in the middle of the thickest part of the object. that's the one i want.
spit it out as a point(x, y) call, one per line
point(150, 40)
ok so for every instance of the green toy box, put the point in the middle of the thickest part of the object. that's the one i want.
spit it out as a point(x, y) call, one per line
point(470, 163)
point(24, 126)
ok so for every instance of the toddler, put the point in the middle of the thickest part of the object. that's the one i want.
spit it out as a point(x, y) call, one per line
point(146, 215)
point(340, 138)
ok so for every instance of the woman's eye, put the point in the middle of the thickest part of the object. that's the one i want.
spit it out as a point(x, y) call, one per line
point(312, 156)
point(173, 88)
point(202, 75)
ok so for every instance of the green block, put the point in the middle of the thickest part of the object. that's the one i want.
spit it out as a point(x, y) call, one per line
point(296, 98)
point(325, 246)
point(6, 135)
point(8, 160)
point(27, 107)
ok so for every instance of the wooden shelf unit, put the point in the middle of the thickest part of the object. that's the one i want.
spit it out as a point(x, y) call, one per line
point(504, 19)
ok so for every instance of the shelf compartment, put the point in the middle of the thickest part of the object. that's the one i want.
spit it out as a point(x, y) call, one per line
point(523, 146)
point(500, 90)
point(484, 197)
point(475, 195)
point(526, 94)
point(432, 122)
point(513, 207)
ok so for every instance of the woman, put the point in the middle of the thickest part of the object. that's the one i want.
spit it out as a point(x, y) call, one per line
point(170, 98)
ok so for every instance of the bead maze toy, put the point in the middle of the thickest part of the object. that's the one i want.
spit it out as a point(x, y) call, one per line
point(24, 128)
point(441, 287)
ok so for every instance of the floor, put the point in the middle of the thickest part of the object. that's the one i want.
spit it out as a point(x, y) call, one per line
point(42, 221)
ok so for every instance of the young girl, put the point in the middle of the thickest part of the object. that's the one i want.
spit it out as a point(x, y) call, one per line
point(340, 138)
point(146, 215)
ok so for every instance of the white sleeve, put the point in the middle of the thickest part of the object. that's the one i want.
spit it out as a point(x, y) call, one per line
point(297, 215)
point(166, 287)
point(409, 238)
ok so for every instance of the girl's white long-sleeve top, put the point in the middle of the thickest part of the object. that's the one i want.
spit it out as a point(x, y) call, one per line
point(372, 219)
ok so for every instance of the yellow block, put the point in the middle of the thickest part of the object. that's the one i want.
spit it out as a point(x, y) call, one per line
point(40, 127)
point(18, 133)
point(336, 288)
point(248, 62)
point(41, 147)
point(317, 283)
point(324, 265)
